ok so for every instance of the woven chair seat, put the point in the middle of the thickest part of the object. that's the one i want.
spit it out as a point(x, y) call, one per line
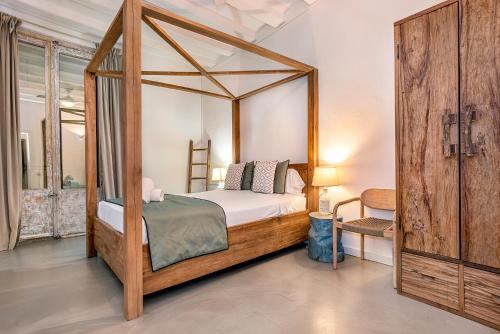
point(369, 226)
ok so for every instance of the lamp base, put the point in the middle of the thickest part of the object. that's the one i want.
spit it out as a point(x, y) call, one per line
point(324, 205)
point(324, 202)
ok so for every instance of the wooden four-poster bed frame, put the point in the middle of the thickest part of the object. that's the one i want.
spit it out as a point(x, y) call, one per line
point(125, 253)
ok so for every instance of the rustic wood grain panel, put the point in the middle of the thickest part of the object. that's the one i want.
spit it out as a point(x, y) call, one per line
point(482, 294)
point(109, 243)
point(312, 137)
point(132, 159)
point(428, 86)
point(90, 159)
point(235, 121)
point(425, 11)
point(431, 279)
point(480, 90)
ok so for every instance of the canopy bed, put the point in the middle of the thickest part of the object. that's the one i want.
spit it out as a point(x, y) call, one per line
point(127, 253)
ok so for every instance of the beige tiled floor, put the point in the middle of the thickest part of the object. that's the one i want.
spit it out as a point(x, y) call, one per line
point(50, 287)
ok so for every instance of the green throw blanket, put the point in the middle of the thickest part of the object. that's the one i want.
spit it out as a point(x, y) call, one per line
point(181, 228)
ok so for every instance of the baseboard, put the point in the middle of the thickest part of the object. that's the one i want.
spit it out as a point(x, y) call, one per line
point(369, 255)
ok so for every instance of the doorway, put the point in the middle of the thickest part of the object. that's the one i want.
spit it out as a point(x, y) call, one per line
point(52, 120)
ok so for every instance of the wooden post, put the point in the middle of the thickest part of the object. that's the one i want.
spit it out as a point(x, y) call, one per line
point(132, 158)
point(312, 137)
point(91, 158)
point(236, 131)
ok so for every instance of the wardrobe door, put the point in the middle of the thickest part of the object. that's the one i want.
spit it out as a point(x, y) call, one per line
point(427, 117)
point(480, 133)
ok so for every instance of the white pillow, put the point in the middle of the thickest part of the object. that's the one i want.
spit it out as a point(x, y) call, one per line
point(233, 176)
point(147, 186)
point(263, 177)
point(294, 183)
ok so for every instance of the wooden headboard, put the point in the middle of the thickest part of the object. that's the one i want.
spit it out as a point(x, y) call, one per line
point(303, 172)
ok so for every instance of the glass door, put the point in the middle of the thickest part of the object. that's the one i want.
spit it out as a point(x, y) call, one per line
point(52, 120)
point(36, 138)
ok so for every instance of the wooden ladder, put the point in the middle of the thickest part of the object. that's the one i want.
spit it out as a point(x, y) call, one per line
point(206, 164)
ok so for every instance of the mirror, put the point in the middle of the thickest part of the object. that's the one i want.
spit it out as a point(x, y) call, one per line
point(32, 109)
point(72, 115)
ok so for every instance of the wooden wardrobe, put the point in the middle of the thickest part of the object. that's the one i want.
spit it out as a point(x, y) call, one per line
point(448, 157)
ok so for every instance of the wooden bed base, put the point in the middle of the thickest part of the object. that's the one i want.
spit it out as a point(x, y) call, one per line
point(246, 242)
point(125, 253)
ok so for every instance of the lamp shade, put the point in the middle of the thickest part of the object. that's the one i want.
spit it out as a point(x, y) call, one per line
point(219, 174)
point(325, 177)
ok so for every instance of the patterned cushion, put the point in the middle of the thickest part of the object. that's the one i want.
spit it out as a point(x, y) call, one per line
point(233, 177)
point(263, 177)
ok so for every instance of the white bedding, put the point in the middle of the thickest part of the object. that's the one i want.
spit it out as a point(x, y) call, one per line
point(240, 206)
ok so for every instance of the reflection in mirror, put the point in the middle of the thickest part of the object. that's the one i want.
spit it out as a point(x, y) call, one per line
point(72, 114)
point(32, 108)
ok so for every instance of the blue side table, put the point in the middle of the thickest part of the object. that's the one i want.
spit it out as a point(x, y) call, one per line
point(320, 238)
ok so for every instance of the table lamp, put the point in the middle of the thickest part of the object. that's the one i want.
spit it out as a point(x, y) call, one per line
point(219, 175)
point(325, 177)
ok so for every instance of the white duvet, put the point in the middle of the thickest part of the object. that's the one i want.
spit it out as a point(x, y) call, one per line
point(240, 206)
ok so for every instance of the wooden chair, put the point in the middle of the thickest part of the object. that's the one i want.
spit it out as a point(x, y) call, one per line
point(382, 199)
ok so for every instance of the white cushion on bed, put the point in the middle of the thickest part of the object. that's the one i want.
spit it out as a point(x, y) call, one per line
point(147, 186)
point(294, 183)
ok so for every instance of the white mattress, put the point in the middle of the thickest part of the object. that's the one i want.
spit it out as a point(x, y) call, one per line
point(240, 206)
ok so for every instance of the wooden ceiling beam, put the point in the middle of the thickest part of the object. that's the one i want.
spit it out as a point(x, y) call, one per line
point(184, 89)
point(112, 35)
point(164, 15)
point(109, 74)
point(118, 74)
point(254, 72)
point(272, 85)
point(166, 37)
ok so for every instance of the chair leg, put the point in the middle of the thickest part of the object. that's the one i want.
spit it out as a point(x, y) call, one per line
point(362, 246)
point(334, 246)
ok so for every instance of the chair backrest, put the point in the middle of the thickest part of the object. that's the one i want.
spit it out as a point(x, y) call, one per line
point(382, 199)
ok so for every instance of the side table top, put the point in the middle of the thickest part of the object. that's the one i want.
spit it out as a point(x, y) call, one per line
point(324, 215)
point(321, 215)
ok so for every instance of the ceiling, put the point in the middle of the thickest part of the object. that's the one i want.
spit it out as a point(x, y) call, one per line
point(85, 22)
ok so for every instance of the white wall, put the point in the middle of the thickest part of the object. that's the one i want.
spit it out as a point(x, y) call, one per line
point(169, 120)
point(351, 43)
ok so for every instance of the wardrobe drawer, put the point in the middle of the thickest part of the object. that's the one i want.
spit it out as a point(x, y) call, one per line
point(430, 279)
point(482, 294)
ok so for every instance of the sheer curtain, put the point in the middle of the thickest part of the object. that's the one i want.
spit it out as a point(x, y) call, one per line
point(109, 98)
point(10, 142)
